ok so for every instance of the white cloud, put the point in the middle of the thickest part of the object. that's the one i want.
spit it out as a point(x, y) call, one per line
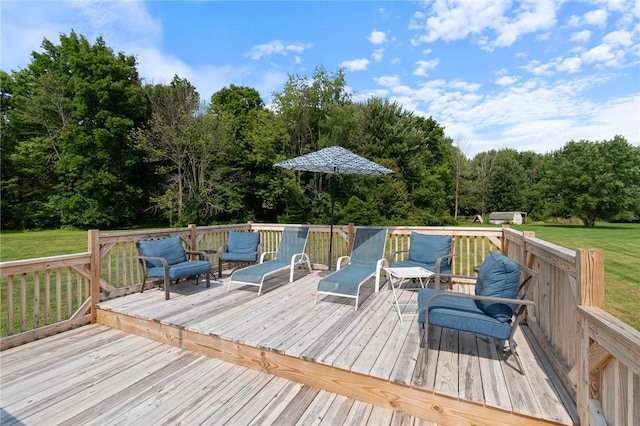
point(570, 65)
point(581, 36)
point(356, 64)
point(387, 80)
point(506, 80)
point(276, 47)
point(597, 18)
point(378, 54)
point(125, 27)
point(490, 22)
point(422, 67)
point(377, 37)
point(623, 38)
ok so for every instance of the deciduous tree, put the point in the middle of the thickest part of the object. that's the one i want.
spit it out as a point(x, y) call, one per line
point(595, 180)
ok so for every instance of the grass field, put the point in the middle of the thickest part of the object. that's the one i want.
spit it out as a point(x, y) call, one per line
point(621, 246)
point(620, 243)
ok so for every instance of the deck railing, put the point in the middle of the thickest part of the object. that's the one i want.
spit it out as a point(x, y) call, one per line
point(596, 356)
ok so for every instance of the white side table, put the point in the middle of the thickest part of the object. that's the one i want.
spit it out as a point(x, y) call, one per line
point(399, 275)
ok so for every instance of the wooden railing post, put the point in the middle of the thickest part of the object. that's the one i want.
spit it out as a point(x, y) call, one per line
point(193, 234)
point(590, 292)
point(590, 277)
point(505, 241)
point(94, 285)
point(351, 235)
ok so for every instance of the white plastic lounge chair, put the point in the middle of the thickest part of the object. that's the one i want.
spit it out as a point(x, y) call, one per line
point(366, 260)
point(290, 253)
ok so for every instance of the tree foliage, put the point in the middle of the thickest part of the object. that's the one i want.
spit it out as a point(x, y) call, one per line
point(73, 107)
point(85, 144)
point(594, 180)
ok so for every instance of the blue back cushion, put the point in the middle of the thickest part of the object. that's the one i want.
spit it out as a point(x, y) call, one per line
point(243, 242)
point(428, 248)
point(168, 248)
point(498, 276)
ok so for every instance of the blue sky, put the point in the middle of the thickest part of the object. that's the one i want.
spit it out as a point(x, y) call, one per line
point(528, 75)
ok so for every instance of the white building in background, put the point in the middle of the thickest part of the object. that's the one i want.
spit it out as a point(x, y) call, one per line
point(516, 218)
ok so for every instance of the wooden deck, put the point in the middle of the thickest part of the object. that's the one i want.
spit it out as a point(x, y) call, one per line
point(96, 375)
point(316, 355)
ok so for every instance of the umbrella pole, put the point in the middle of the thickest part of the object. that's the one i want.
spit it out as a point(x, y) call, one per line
point(333, 202)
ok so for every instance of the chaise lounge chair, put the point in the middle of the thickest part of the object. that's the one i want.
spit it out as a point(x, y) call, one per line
point(290, 253)
point(366, 260)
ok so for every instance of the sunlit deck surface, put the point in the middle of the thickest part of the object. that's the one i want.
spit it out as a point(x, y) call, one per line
point(308, 363)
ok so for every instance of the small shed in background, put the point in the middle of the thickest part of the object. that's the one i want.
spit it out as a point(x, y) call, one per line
point(516, 218)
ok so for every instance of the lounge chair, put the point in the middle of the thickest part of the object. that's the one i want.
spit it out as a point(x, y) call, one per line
point(366, 260)
point(166, 258)
point(502, 293)
point(431, 252)
point(289, 254)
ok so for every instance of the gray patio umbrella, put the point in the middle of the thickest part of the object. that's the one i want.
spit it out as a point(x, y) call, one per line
point(338, 161)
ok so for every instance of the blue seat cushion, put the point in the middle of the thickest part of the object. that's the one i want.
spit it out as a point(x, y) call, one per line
point(424, 250)
point(169, 248)
point(241, 247)
point(182, 270)
point(460, 314)
point(498, 276)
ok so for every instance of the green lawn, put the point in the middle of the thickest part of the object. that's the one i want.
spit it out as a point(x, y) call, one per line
point(18, 245)
point(620, 243)
point(621, 246)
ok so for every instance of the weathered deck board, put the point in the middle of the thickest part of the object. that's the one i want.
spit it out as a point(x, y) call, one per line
point(133, 380)
point(370, 342)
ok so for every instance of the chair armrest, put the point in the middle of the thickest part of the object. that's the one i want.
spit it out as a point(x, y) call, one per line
point(300, 256)
point(340, 260)
point(264, 255)
point(440, 259)
point(165, 263)
point(395, 253)
point(518, 302)
point(201, 254)
point(477, 297)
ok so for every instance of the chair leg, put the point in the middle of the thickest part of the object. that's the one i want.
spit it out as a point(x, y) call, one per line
point(166, 287)
point(512, 351)
point(220, 267)
point(208, 279)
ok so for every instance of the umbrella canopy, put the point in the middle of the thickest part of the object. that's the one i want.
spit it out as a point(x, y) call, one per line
point(334, 160)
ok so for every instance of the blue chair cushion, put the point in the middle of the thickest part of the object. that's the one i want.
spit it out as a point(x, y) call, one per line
point(169, 248)
point(498, 276)
point(424, 250)
point(241, 247)
point(181, 270)
point(460, 314)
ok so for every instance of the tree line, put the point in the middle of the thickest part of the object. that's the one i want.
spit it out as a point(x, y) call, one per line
point(86, 144)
